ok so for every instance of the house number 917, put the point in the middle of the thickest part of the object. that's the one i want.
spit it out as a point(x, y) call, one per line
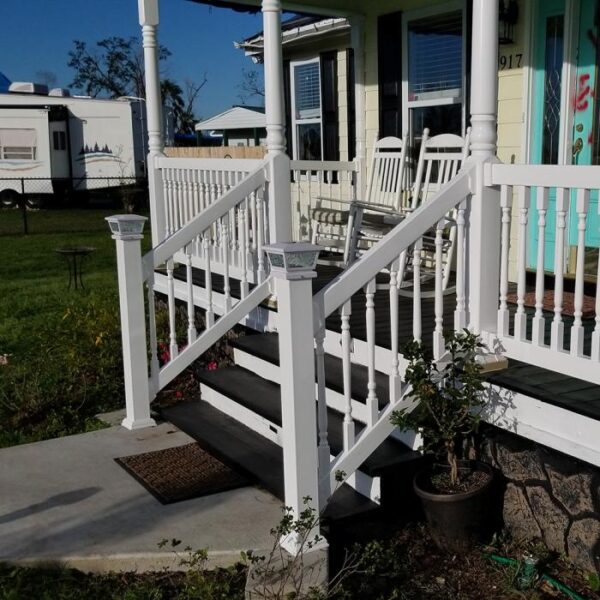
point(510, 61)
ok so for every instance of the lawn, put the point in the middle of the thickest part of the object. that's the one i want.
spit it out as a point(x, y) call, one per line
point(62, 346)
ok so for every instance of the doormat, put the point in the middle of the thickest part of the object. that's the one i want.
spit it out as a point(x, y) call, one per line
point(181, 473)
point(589, 309)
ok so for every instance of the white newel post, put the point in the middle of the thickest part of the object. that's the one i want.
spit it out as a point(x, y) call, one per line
point(280, 192)
point(357, 38)
point(127, 232)
point(148, 14)
point(485, 218)
point(293, 268)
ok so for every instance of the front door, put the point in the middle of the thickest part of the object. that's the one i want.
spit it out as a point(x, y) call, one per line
point(565, 111)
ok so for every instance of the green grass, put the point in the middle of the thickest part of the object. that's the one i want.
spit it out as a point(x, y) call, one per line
point(63, 346)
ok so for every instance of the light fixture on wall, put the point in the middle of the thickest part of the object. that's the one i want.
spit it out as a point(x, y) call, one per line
point(509, 15)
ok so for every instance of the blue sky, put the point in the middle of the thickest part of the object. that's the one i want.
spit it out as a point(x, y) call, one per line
point(38, 34)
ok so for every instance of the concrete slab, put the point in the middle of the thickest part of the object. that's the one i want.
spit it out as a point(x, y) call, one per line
point(67, 500)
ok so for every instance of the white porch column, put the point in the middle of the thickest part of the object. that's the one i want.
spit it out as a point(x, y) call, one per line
point(357, 39)
point(280, 193)
point(127, 232)
point(484, 219)
point(148, 14)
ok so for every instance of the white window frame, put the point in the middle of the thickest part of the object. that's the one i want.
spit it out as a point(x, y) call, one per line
point(407, 105)
point(295, 121)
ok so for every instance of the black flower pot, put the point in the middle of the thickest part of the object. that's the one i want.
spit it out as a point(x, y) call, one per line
point(458, 521)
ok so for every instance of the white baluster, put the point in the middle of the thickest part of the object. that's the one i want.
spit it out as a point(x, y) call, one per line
point(372, 402)
point(226, 254)
point(173, 349)
point(438, 332)
point(349, 431)
point(170, 203)
point(577, 331)
point(260, 235)
point(395, 370)
point(506, 194)
point(557, 331)
point(417, 258)
point(596, 333)
point(539, 323)
point(191, 309)
point(244, 287)
point(210, 311)
point(324, 452)
point(460, 314)
point(521, 315)
point(166, 195)
point(254, 227)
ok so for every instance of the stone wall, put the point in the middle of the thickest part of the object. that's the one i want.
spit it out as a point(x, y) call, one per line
point(548, 496)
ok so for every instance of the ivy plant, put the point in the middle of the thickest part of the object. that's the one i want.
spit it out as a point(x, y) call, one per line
point(446, 394)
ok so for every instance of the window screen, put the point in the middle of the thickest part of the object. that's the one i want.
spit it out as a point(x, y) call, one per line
point(18, 144)
point(435, 57)
point(307, 91)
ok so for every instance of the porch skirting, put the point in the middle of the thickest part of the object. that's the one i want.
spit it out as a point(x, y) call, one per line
point(548, 496)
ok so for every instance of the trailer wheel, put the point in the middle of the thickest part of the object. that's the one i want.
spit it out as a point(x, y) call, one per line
point(34, 202)
point(9, 198)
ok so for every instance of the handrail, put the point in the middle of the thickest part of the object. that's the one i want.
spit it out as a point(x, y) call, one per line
point(322, 165)
point(549, 176)
point(340, 289)
point(211, 164)
point(207, 217)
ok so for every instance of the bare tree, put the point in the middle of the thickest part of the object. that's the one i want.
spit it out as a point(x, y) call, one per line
point(252, 86)
point(187, 117)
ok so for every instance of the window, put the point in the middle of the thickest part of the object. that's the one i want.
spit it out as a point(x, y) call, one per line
point(18, 144)
point(434, 73)
point(60, 140)
point(306, 110)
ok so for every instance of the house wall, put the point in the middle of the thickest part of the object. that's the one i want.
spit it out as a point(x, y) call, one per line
point(547, 496)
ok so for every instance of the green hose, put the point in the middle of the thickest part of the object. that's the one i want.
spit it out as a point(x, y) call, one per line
point(565, 589)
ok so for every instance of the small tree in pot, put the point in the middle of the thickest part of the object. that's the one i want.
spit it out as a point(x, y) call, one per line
point(448, 397)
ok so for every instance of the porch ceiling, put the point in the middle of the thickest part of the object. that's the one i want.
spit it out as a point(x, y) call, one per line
point(326, 7)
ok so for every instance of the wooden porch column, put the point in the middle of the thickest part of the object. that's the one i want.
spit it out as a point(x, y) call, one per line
point(484, 220)
point(357, 34)
point(148, 16)
point(280, 195)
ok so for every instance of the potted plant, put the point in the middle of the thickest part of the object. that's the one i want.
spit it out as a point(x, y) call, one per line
point(447, 400)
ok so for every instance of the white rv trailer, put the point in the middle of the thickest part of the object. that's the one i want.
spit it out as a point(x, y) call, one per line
point(51, 142)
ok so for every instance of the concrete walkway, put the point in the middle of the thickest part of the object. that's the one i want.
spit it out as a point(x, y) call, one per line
point(67, 500)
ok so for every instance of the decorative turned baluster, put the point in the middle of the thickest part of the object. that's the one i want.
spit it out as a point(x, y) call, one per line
point(438, 332)
point(539, 323)
point(372, 402)
point(521, 315)
point(167, 197)
point(460, 313)
point(596, 333)
point(417, 250)
point(173, 348)
point(349, 433)
point(226, 254)
point(171, 218)
point(244, 287)
point(154, 365)
point(210, 311)
point(260, 236)
point(191, 309)
point(506, 194)
point(557, 331)
point(395, 380)
point(254, 226)
point(180, 202)
point(324, 452)
point(577, 331)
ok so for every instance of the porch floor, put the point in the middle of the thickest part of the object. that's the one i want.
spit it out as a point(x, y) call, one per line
point(567, 392)
point(67, 500)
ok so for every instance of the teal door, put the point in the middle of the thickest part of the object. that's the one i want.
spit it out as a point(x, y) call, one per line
point(549, 114)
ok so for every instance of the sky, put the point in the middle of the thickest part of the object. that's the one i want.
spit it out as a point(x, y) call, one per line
point(38, 34)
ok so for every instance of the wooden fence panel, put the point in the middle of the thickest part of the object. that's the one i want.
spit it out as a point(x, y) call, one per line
point(216, 152)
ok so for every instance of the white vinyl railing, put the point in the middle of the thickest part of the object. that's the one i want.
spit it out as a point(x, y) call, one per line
point(233, 243)
point(390, 256)
point(318, 184)
point(228, 233)
point(545, 206)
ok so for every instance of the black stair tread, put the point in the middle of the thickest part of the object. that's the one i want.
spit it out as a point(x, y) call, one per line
point(253, 455)
point(263, 398)
point(266, 347)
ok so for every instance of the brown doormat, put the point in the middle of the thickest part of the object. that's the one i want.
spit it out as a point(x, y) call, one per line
point(589, 309)
point(181, 473)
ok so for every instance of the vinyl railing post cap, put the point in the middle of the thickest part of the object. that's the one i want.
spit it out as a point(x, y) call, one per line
point(127, 227)
point(293, 260)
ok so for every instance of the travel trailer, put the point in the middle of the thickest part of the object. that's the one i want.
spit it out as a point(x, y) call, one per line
point(55, 143)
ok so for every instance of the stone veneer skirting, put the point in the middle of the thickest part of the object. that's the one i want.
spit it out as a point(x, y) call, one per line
point(548, 496)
